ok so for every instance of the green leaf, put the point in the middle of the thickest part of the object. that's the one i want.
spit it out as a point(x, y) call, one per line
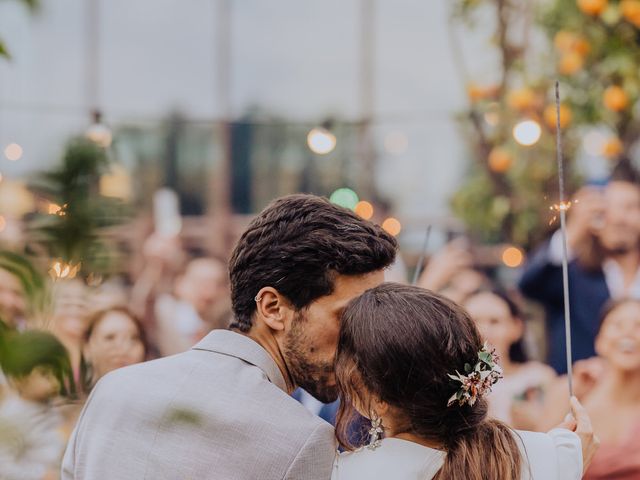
point(3, 50)
point(485, 357)
point(32, 4)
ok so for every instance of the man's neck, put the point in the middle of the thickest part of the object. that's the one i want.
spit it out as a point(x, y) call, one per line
point(267, 341)
point(628, 263)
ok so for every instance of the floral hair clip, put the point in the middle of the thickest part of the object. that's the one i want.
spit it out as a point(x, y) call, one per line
point(478, 379)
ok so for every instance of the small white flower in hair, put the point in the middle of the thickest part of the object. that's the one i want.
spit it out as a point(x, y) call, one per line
point(478, 379)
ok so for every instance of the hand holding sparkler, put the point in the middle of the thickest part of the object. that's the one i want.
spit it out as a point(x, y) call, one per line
point(586, 215)
point(444, 265)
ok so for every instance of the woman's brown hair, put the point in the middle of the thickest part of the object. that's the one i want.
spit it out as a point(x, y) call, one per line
point(400, 343)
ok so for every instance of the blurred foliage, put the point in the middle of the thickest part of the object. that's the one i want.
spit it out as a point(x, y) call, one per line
point(23, 352)
point(31, 5)
point(33, 283)
point(595, 54)
point(597, 50)
point(74, 212)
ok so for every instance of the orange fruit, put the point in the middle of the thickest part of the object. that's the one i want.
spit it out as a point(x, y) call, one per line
point(592, 7)
point(570, 63)
point(550, 116)
point(500, 160)
point(567, 42)
point(630, 10)
point(477, 92)
point(521, 99)
point(581, 46)
point(563, 40)
point(615, 98)
point(612, 148)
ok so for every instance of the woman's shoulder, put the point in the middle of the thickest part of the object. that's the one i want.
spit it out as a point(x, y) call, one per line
point(553, 455)
point(394, 458)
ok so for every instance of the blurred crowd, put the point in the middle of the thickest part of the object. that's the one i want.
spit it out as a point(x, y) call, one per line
point(49, 367)
point(176, 300)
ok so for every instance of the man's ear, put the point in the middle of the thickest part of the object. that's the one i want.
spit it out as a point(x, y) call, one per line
point(272, 308)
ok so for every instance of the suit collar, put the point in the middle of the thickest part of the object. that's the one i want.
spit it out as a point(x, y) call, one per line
point(240, 346)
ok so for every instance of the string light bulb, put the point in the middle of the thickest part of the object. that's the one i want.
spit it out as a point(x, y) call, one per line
point(364, 209)
point(321, 140)
point(392, 226)
point(512, 257)
point(13, 152)
point(527, 132)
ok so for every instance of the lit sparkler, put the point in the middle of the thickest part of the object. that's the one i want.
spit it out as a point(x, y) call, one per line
point(562, 208)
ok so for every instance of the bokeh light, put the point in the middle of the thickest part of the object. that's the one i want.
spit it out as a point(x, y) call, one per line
point(321, 141)
point(345, 197)
point(13, 152)
point(392, 226)
point(396, 143)
point(61, 270)
point(364, 209)
point(512, 257)
point(527, 132)
point(116, 183)
point(594, 142)
point(55, 209)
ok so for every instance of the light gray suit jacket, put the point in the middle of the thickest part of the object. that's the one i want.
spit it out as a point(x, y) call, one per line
point(218, 411)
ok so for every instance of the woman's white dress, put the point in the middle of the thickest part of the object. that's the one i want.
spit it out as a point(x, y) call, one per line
point(556, 455)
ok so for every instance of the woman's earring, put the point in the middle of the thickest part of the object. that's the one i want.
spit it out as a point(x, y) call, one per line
point(375, 432)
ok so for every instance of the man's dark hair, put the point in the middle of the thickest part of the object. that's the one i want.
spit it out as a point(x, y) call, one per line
point(297, 245)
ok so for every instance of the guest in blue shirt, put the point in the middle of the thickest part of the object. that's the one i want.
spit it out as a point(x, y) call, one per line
point(603, 236)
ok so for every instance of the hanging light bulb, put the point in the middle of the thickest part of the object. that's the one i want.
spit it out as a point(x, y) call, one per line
point(98, 132)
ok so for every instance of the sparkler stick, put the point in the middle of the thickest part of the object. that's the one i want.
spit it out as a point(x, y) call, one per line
point(423, 254)
point(563, 228)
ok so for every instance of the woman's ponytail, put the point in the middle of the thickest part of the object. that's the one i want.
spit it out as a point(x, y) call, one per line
point(489, 451)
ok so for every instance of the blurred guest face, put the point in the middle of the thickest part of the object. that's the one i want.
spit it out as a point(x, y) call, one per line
point(70, 310)
point(310, 345)
point(114, 343)
point(203, 284)
point(107, 297)
point(12, 300)
point(493, 318)
point(621, 229)
point(619, 339)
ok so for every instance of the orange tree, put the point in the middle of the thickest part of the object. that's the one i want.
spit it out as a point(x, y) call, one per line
point(598, 44)
point(510, 127)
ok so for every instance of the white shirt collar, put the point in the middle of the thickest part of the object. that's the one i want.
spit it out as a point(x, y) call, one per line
point(615, 281)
